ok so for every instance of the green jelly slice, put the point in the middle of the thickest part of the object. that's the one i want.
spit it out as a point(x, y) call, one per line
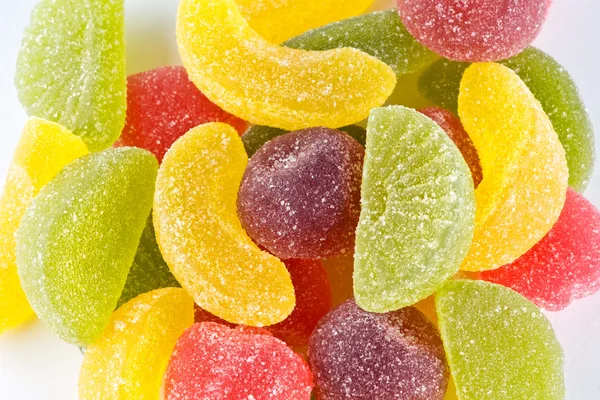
point(499, 345)
point(418, 211)
point(79, 237)
point(71, 68)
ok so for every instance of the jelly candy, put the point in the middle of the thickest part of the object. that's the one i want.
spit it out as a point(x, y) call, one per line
point(355, 354)
point(201, 237)
point(551, 84)
point(149, 270)
point(498, 344)
point(524, 167)
point(417, 216)
point(564, 265)
point(130, 358)
point(380, 34)
point(212, 361)
point(258, 135)
point(300, 195)
point(78, 240)
point(339, 270)
point(71, 68)
point(44, 149)
point(289, 89)
point(474, 30)
point(453, 127)
point(277, 20)
point(162, 105)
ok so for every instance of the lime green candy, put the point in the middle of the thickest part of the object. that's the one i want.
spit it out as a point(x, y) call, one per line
point(498, 344)
point(418, 211)
point(71, 68)
point(78, 239)
point(551, 85)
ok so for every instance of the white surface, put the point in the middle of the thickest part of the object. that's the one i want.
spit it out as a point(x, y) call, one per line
point(36, 365)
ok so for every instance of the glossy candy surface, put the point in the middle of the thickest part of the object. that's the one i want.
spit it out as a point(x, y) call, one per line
point(202, 239)
point(523, 163)
point(71, 68)
point(290, 89)
point(417, 216)
point(79, 237)
point(339, 270)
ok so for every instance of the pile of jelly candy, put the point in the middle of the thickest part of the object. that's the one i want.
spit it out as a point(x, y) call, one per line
point(272, 220)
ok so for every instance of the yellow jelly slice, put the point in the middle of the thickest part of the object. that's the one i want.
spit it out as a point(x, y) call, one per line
point(271, 85)
point(44, 149)
point(130, 359)
point(201, 237)
point(524, 166)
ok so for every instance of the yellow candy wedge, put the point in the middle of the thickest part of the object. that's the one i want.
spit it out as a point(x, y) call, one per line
point(202, 239)
point(524, 166)
point(44, 149)
point(130, 359)
point(271, 85)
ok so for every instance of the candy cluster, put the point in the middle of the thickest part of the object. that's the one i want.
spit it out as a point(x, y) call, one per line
point(229, 229)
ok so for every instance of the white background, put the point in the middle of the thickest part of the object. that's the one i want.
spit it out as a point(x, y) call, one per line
point(36, 365)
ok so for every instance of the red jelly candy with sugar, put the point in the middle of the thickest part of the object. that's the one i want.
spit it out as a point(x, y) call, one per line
point(162, 105)
point(474, 30)
point(564, 265)
point(300, 195)
point(453, 127)
point(213, 361)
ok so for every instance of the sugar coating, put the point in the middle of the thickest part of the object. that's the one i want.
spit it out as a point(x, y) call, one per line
point(551, 85)
point(380, 34)
point(339, 271)
point(149, 270)
point(300, 195)
point(564, 265)
point(212, 361)
point(524, 168)
point(78, 239)
point(474, 30)
point(498, 344)
point(266, 84)
point(417, 216)
point(71, 68)
point(453, 127)
point(43, 150)
point(201, 237)
point(130, 358)
point(359, 355)
point(278, 20)
point(162, 105)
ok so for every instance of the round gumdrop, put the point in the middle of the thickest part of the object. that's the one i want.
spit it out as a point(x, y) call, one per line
point(162, 105)
point(355, 354)
point(212, 361)
point(474, 30)
point(300, 195)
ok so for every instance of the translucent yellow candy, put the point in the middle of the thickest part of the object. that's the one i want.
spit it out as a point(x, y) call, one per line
point(129, 360)
point(45, 148)
point(201, 237)
point(271, 85)
point(524, 167)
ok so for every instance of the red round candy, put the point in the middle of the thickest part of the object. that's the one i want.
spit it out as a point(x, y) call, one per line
point(162, 105)
point(564, 265)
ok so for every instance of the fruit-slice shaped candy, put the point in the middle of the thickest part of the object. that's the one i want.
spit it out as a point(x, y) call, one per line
point(130, 358)
point(71, 67)
point(201, 237)
point(498, 344)
point(278, 20)
point(44, 149)
point(79, 237)
point(523, 163)
point(271, 85)
point(417, 216)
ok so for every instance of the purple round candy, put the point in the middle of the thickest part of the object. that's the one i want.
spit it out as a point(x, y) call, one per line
point(300, 195)
point(359, 355)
